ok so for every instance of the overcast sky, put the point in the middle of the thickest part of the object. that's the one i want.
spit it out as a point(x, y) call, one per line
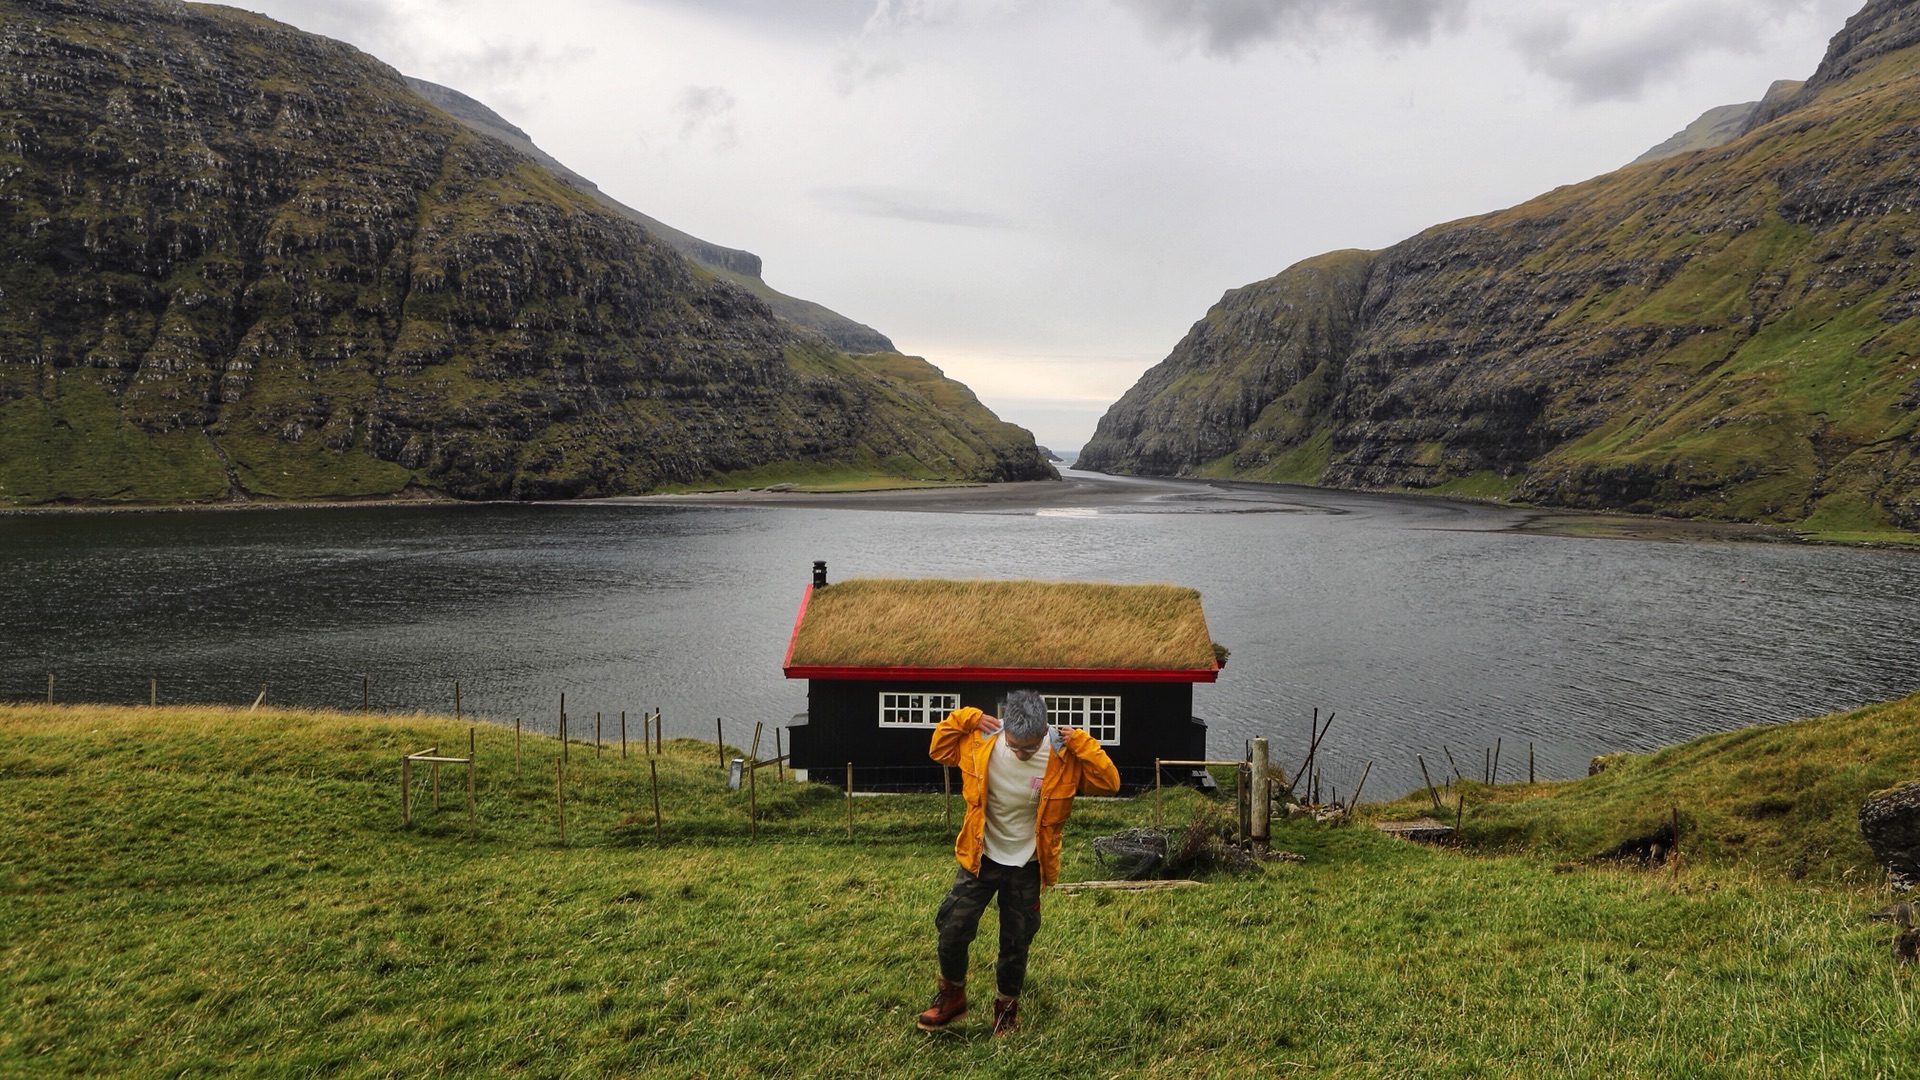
point(1041, 196)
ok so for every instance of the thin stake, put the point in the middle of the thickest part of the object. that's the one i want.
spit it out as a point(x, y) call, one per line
point(563, 727)
point(1529, 763)
point(560, 797)
point(1493, 775)
point(364, 680)
point(1459, 815)
point(779, 757)
point(1314, 749)
point(720, 739)
point(1450, 761)
point(1434, 795)
point(1361, 786)
point(1676, 843)
point(753, 753)
point(470, 792)
point(753, 801)
point(623, 734)
point(516, 747)
point(653, 771)
point(258, 700)
point(849, 800)
point(1486, 766)
point(659, 737)
point(456, 699)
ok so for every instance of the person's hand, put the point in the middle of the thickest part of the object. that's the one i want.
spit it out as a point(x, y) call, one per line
point(1060, 738)
point(989, 725)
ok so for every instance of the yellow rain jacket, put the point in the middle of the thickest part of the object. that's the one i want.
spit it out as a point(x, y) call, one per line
point(1082, 767)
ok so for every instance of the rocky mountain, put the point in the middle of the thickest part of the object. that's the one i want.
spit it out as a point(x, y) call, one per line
point(731, 264)
point(1731, 332)
point(1721, 125)
point(237, 260)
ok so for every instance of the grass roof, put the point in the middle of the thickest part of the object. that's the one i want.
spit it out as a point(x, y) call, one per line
point(922, 622)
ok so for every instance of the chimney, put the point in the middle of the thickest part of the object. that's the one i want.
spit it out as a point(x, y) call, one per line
point(819, 573)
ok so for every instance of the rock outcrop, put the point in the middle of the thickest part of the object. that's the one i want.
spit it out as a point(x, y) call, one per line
point(1733, 332)
point(240, 260)
point(1890, 823)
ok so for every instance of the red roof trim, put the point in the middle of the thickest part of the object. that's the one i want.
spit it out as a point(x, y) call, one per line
point(980, 674)
point(786, 663)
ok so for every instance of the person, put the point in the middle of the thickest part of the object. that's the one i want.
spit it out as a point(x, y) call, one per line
point(1019, 776)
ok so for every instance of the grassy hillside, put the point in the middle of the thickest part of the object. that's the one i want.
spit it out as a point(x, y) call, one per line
point(202, 890)
point(238, 261)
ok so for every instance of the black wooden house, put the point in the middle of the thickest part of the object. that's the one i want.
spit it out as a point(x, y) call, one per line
point(887, 659)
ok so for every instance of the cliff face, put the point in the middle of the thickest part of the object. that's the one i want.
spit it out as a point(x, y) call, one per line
point(239, 259)
point(742, 268)
point(1730, 333)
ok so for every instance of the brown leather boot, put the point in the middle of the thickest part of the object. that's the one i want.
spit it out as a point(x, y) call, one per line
point(1006, 1015)
point(949, 1004)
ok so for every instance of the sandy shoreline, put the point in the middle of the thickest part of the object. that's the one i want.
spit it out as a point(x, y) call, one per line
point(1083, 492)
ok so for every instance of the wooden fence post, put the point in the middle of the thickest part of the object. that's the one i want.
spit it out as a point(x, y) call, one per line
point(753, 800)
point(653, 771)
point(1434, 795)
point(659, 737)
point(516, 747)
point(1529, 763)
point(560, 797)
point(1260, 794)
point(779, 758)
point(596, 736)
point(563, 727)
point(623, 734)
point(364, 680)
point(1676, 843)
point(456, 699)
point(720, 741)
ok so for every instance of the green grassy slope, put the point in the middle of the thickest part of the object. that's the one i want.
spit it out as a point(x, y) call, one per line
point(200, 890)
point(1780, 800)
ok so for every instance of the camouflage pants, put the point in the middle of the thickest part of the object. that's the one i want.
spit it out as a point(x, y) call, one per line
point(959, 919)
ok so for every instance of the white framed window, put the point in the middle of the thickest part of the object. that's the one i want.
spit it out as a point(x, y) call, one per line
point(1098, 716)
point(915, 710)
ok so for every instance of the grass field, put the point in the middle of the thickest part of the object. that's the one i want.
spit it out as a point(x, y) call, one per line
point(189, 891)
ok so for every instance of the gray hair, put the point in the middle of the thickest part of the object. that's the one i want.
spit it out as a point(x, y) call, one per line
point(1024, 715)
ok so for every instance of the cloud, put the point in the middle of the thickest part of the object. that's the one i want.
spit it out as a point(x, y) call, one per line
point(707, 111)
point(905, 205)
point(1612, 52)
point(1229, 28)
point(859, 67)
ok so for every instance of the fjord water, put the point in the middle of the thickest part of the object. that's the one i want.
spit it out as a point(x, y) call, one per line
point(1425, 623)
